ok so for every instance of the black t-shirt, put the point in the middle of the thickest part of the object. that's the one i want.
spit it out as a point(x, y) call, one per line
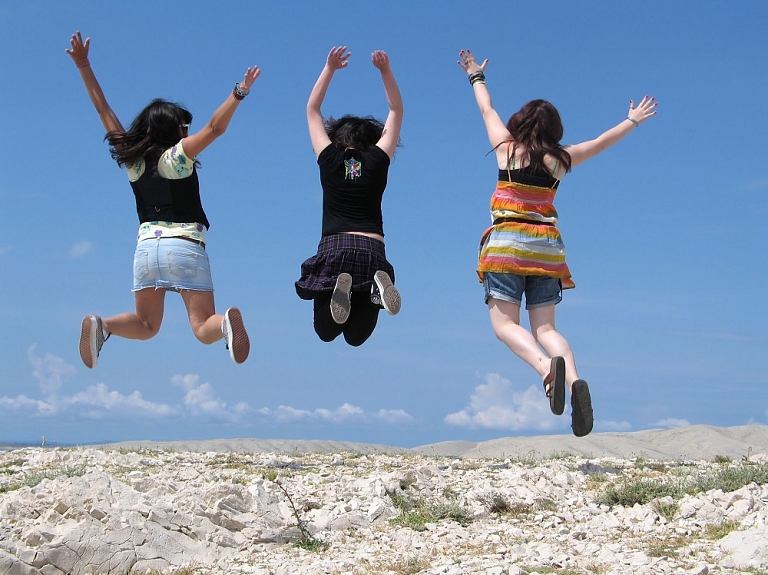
point(353, 184)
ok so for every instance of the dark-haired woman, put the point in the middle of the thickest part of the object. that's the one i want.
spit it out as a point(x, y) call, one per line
point(522, 252)
point(159, 155)
point(349, 278)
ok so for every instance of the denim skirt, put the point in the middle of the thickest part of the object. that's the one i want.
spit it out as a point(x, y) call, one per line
point(171, 263)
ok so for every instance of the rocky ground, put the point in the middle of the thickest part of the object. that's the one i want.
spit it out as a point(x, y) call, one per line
point(100, 510)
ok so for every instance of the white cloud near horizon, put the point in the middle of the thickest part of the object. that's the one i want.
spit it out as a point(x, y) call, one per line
point(100, 402)
point(612, 426)
point(80, 249)
point(199, 400)
point(671, 422)
point(342, 414)
point(496, 405)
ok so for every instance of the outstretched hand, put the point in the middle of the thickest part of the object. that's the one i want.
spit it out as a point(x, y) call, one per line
point(468, 63)
point(338, 58)
point(645, 109)
point(380, 60)
point(79, 50)
point(250, 77)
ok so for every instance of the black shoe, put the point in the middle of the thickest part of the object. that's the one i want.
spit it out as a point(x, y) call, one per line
point(582, 417)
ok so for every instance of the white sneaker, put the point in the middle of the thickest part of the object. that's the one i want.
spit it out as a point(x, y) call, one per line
point(236, 337)
point(341, 301)
point(385, 293)
point(91, 340)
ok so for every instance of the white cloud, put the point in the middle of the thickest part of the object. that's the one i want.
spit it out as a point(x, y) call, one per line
point(4, 250)
point(497, 405)
point(612, 426)
point(104, 402)
point(670, 422)
point(199, 399)
point(26, 403)
point(49, 371)
point(342, 414)
point(345, 412)
point(393, 416)
point(80, 249)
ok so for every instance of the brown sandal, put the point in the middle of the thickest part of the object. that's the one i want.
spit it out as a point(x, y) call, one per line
point(554, 385)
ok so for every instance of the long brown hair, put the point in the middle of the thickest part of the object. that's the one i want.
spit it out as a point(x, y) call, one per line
point(537, 128)
point(153, 131)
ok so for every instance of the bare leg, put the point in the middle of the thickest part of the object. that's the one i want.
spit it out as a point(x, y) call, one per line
point(205, 322)
point(543, 329)
point(505, 319)
point(145, 323)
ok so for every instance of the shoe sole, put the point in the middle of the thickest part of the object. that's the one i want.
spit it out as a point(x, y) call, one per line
point(341, 303)
point(240, 346)
point(390, 297)
point(556, 380)
point(88, 353)
point(582, 417)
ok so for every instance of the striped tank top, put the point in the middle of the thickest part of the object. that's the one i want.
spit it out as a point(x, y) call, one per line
point(523, 238)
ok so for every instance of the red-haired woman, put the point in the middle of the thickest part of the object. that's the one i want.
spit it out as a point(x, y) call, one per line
point(522, 252)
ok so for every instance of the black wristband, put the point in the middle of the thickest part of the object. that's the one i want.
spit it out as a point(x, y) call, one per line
point(475, 77)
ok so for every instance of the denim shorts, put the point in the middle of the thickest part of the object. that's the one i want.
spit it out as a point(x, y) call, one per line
point(540, 291)
point(171, 263)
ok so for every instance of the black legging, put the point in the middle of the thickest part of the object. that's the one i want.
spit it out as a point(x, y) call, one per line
point(359, 326)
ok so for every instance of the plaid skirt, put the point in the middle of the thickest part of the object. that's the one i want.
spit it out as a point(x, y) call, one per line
point(355, 254)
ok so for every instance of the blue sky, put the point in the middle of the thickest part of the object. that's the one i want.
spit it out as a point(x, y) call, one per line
point(664, 231)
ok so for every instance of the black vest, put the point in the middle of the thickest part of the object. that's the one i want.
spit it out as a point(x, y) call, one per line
point(163, 200)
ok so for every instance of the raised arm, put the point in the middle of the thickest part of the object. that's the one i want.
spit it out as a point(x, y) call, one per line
point(391, 133)
point(582, 152)
point(79, 54)
point(218, 123)
point(337, 58)
point(497, 130)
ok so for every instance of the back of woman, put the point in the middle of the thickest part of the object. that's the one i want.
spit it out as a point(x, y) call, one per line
point(522, 255)
point(159, 154)
point(349, 279)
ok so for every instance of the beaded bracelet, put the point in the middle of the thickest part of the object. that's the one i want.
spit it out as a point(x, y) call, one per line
point(84, 63)
point(635, 122)
point(238, 93)
point(476, 77)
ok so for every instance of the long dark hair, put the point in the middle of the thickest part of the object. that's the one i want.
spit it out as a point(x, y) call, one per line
point(151, 133)
point(354, 132)
point(537, 127)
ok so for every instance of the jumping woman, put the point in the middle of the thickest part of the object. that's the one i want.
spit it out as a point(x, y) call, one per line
point(349, 278)
point(522, 252)
point(159, 155)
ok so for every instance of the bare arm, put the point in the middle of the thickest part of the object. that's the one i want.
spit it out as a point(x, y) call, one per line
point(79, 54)
point(391, 133)
point(337, 58)
point(497, 130)
point(580, 153)
point(219, 122)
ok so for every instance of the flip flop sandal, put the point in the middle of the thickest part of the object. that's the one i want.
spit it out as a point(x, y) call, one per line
point(554, 385)
point(582, 417)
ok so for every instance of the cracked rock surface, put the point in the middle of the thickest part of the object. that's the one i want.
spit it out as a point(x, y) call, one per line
point(99, 510)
